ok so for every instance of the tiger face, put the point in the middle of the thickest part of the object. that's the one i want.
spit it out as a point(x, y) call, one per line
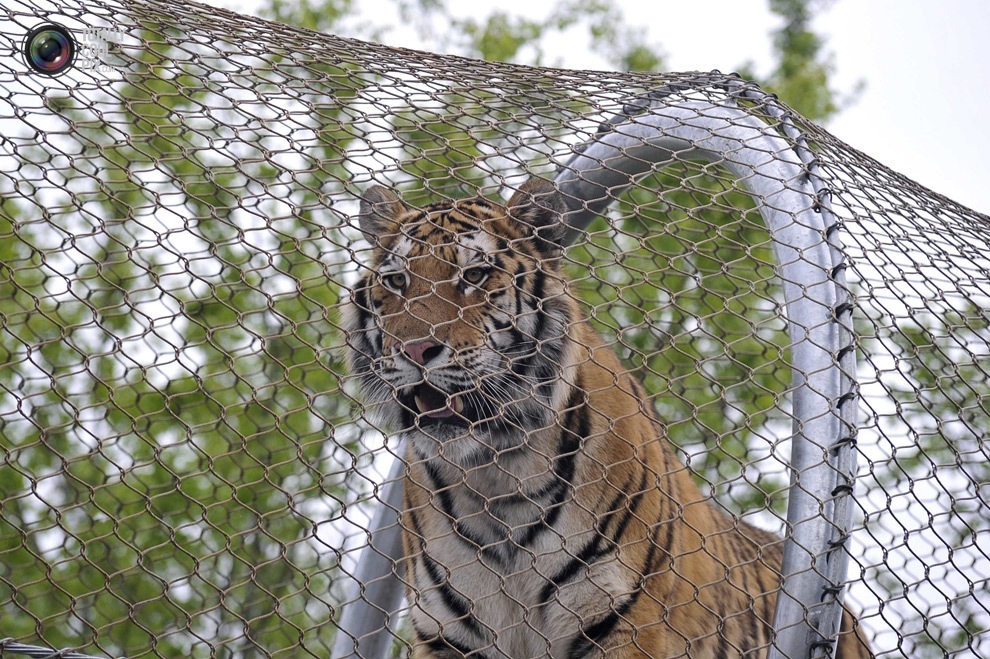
point(459, 327)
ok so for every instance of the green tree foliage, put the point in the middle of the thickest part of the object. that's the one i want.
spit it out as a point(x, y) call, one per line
point(801, 76)
point(500, 36)
point(505, 38)
point(933, 435)
point(692, 308)
point(169, 373)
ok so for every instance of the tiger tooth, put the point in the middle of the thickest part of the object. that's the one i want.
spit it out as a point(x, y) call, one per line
point(419, 403)
point(457, 404)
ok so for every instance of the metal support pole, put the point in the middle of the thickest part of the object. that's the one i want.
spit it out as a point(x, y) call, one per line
point(365, 626)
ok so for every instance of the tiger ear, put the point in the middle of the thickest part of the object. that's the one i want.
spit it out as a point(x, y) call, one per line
point(380, 211)
point(539, 204)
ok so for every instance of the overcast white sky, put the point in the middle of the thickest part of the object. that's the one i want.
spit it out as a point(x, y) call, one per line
point(925, 64)
point(925, 111)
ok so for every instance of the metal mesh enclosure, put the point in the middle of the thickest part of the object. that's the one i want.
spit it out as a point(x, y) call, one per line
point(186, 468)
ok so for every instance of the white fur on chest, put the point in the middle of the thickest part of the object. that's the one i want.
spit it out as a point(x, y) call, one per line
point(500, 549)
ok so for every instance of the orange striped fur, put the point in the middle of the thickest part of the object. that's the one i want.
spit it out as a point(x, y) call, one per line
point(545, 513)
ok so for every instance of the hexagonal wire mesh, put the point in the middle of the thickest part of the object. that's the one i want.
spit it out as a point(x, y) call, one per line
point(187, 470)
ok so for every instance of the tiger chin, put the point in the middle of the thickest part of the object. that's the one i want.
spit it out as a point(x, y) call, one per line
point(545, 514)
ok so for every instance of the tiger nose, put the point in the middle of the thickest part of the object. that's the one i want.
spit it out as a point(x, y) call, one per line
point(422, 351)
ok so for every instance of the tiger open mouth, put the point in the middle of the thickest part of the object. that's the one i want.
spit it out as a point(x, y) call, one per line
point(436, 404)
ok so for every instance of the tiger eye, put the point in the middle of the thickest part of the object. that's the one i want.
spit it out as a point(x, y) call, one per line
point(475, 276)
point(395, 280)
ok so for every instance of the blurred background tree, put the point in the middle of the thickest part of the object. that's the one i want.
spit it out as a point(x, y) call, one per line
point(800, 74)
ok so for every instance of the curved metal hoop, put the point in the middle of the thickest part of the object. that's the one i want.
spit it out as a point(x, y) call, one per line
point(774, 164)
point(778, 169)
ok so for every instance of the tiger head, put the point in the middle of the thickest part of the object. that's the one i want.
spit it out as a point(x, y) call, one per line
point(460, 325)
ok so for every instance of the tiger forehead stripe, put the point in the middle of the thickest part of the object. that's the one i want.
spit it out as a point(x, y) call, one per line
point(436, 228)
point(399, 251)
point(473, 247)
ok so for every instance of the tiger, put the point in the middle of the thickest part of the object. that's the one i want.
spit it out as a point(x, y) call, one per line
point(545, 513)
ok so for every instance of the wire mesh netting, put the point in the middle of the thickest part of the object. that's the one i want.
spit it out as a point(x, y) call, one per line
point(187, 469)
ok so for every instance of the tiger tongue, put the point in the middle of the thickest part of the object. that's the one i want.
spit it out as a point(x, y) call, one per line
point(435, 403)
